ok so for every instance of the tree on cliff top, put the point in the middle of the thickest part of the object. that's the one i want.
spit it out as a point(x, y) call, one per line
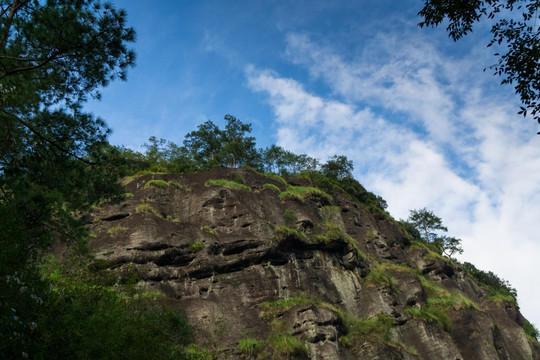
point(211, 146)
point(338, 167)
point(520, 64)
point(205, 143)
point(239, 149)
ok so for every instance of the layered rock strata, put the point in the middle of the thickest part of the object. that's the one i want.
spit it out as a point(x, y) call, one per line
point(278, 269)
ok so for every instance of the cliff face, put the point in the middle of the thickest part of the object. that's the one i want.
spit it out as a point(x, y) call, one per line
point(282, 270)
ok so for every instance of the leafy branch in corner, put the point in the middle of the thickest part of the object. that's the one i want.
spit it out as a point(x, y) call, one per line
point(515, 25)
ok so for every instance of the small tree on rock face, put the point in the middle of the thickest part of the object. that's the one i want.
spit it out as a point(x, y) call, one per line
point(448, 245)
point(426, 222)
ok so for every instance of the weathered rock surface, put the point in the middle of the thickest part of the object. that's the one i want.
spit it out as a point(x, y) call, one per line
point(221, 253)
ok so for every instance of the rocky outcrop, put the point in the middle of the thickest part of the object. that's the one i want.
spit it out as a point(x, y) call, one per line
point(275, 269)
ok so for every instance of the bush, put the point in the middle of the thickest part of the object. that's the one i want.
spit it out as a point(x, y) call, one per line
point(358, 192)
point(238, 179)
point(197, 246)
point(87, 320)
point(323, 182)
point(531, 331)
point(287, 345)
point(290, 217)
point(497, 287)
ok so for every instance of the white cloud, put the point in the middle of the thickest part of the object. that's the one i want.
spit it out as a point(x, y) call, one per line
point(422, 130)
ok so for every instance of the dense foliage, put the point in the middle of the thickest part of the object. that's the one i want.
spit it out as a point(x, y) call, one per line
point(491, 281)
point(53, 56)
point(210, 146)
point(55, 163)
point(78, 316)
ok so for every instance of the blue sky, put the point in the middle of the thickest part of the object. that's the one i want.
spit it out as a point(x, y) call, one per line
point(423, 123)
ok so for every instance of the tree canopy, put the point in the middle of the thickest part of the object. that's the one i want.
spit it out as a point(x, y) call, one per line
point(54, 55)
point(514, 24)
point(338, 167)
point(211, 146)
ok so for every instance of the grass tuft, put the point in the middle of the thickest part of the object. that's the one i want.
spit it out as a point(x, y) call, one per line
point(290, 217)
point(432, 313)
point(272, 309)
point(209, 230)
point(147, 209)
point(276, 176)
point(117, 229)
point(380, 275)
point(437, 304)
point(333, 232)
point(228, 184)
point(176, 185)
point(156, 183)
point(272, 187)
point(283, 232)
point(287, 345)
point(197, 246)
point(330, 214)
point(301, 192)
point(250, 347)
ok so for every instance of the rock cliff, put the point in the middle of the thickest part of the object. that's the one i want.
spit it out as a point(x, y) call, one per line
point(275, 269)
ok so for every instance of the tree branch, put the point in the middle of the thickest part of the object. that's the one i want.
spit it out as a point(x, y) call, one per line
point(15, 6)
point(33, 67)
point(48, 141)
point(16, 58)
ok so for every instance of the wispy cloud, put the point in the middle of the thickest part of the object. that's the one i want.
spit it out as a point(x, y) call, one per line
point(423, 130)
